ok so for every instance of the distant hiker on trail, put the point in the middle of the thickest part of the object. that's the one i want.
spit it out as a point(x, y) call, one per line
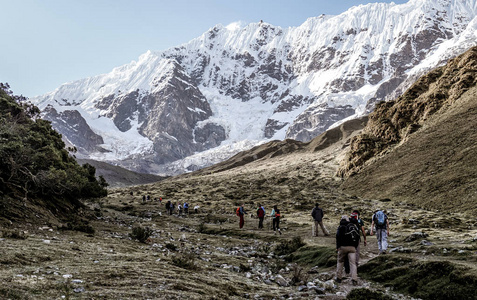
point(196, 209)
point(260, 215)
point(347, 239)
point(179, 208)
point(169, 207)
point(275, 214)
point(143, 198)
point(381, 225)
point(241, 212)
point(186, 208)
point(148, 198)
point(317, 214)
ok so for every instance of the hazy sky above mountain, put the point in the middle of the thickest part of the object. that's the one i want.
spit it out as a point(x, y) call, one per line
point(45, 43)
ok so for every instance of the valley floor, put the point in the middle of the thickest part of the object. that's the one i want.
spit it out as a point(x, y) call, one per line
point(206, 255)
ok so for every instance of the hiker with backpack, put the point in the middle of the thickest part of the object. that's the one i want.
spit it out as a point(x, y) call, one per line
point(347, 239)
point(380, 223)
point(168, 207)
point(275, 214)
point(241, 212)
point(186, 208)
point(317, 214)
point(260, 215)
point(360, 223)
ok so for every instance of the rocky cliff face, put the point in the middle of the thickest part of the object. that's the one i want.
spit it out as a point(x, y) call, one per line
point(259, 82)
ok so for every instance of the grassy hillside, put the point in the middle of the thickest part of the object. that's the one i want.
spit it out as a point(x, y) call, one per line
point(421, 148)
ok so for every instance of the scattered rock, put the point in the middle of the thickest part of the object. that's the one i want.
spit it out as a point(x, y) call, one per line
point(281, 281)
point(400, 249)
point(79, 290)
point(319, 291)
point(426, 243)
point(416, 236)
point(76, 281)
point(329, 285)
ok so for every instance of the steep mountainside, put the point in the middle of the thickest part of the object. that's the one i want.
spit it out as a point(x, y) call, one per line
point(421, 148)
point(237, 86)
point(119, 177)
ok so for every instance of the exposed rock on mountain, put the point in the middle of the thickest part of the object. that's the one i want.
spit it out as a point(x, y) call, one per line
point(422, 147)
point(243, 85)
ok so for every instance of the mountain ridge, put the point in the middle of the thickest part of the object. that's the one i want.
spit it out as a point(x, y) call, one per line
point(261, 82)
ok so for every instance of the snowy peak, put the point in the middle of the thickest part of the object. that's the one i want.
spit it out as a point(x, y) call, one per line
point(242, 84)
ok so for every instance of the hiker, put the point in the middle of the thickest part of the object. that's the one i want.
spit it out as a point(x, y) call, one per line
point(317, 214)
point(179, 208)
point(381, 225)
point(148, 198)
point(186, 208)
point(275, 214)
point(347, 239)
point(196, 209)
point(260, 215)
point(360, 223)
point(143, 198)
point(168, 207)
point(241, 212)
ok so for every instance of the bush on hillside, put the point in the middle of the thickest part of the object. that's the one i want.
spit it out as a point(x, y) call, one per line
point(34, 164)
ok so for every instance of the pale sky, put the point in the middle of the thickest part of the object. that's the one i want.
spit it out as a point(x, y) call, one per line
point(45, 43)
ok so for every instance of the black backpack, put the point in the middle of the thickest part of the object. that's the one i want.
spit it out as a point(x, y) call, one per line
point(351, 235)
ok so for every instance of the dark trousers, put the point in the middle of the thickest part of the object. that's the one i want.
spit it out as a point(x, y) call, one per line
point(241, 221)
point(276, 223)
point(260, 222)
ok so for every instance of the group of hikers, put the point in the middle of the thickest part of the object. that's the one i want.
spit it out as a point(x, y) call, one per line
point(348, 234)
point(182, 208)
point(275, 215)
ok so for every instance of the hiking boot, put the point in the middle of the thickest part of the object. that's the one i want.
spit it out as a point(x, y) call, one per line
point(279, 232)
point(338, 280)
point(354, 282)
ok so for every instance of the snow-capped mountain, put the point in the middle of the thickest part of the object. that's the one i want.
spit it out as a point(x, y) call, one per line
point(240, 85)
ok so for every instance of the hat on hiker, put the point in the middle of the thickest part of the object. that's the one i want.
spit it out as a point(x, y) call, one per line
point(354, 215)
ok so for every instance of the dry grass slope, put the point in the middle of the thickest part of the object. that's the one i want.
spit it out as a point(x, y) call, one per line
point(421, 148)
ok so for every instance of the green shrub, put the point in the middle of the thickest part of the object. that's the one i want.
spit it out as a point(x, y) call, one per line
point(185, 261)
point(171, 246)
point(34, 163)
point(141, 234)
point(422, 279)
point(366, 294)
